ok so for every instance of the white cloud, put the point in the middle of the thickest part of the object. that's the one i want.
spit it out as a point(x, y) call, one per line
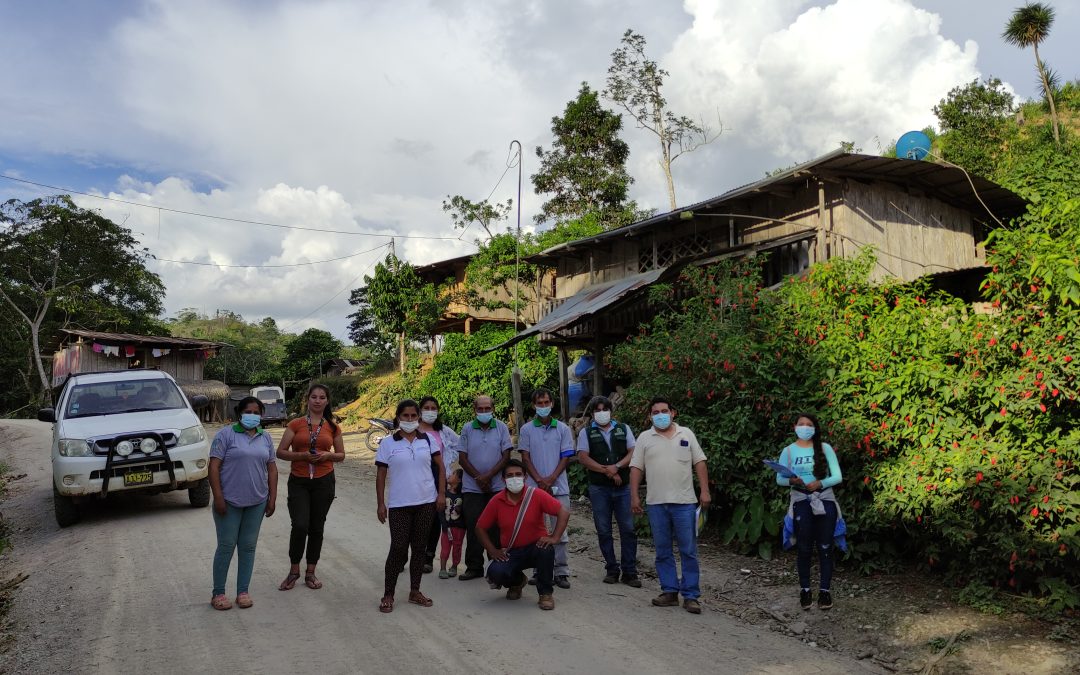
point(798, 78)
point(364, 116)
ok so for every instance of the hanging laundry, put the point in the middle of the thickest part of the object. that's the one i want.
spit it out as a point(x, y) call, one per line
point(129, 351)
point(110, 350)
point(165, 352)
point(98, 348)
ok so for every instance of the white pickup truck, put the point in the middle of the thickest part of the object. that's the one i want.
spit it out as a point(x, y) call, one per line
point(123, 431)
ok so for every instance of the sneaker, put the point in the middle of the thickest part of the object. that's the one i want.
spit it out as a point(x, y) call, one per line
point(824, 600)
point(470, 575)
point(562, 582)
point(666, 600)
point(453, 571)
point(612, 578)
point(631, 580)
point(443, 574)
point(428, 568)
point(546, 602)
point(806, 599)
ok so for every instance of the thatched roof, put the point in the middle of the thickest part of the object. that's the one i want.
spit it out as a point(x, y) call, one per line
point(215, 390)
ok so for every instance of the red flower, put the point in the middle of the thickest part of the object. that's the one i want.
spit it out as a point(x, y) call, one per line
point(1054, 392)
point(979, 477)
point(1035, 512)
point(866, 480)
point(993, 341)
point(1042, 407)
point(1067, 359)
point(1004, 412)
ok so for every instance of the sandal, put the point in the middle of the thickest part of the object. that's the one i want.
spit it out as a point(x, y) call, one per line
point(289, 582)
point(418, 598)
point(312, 582)
point(386, 605)
point(220, 602)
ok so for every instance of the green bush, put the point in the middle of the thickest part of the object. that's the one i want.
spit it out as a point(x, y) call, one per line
point(957, 432)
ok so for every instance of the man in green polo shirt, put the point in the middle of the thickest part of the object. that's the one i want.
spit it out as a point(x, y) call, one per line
point(547, 446)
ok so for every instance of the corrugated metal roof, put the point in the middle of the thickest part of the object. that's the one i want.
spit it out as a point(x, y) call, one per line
point(588, 302)
point(949, 184)
point(129, 338)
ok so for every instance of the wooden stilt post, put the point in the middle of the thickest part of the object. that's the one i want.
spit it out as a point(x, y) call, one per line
point(564, 385)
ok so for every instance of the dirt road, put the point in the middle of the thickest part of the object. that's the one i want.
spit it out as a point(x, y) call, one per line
point(128, 589)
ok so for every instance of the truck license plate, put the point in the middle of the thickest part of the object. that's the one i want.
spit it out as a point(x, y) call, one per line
point(132, 478)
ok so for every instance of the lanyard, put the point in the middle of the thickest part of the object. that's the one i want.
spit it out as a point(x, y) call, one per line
point(313, 436)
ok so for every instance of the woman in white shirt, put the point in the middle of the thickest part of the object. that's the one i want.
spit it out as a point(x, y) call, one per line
point(414, 495)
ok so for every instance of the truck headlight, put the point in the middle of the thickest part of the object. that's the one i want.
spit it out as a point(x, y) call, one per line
point(124, 448)
point(148, 446)
point(191, 435)
point(75, 448)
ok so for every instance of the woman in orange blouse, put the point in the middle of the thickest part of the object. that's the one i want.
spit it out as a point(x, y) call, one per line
point(313, 444)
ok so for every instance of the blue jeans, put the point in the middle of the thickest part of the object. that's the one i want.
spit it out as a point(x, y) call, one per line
point(237, 529)
point(608, 500)
point(811, 531)
point(676, 523)
point(510, 572)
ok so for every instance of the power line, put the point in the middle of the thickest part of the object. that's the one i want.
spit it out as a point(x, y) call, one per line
point(224, 218)
point(331, 298)
point(313, 262)
point(509, 165)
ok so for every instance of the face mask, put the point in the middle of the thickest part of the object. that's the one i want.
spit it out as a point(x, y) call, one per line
point(484, 418)
point(661, 421)
point(543, 412)
point(515, 484)
point(429, 416)
point(804, 433)
point(408, 427)
point(250, 420)
point(602, 417)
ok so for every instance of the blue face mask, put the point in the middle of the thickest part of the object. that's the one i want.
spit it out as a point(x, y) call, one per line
point(484, 418)
point(661, 421)
point(250, 420)
point(804, 433)
point(543, 412)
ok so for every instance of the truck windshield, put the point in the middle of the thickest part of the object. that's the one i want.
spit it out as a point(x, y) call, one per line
point(114, 398)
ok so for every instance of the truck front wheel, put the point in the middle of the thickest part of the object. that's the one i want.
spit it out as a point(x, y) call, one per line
point(199, 496)
point(67, 511)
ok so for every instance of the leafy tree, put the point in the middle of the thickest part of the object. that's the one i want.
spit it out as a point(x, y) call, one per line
point(975, 121)
point(634, 83)
point(63, 265)
point(257, 350)
point(306, 354)
point(465, 212)
point(362, 329)
point(585, 169)
point(395, 301)
point(1027, 27)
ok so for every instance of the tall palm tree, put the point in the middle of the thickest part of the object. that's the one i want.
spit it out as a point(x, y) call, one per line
point(1028, 26)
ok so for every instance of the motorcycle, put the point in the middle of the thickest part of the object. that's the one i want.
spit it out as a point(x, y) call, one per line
point(380, 428)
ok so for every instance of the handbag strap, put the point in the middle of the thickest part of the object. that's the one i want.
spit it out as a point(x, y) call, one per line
point(525, 501)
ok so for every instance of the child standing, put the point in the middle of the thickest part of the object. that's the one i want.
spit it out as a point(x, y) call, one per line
point(453, 526)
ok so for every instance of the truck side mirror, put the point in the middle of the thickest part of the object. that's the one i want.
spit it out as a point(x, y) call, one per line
point(47, 415)
point(199, 401)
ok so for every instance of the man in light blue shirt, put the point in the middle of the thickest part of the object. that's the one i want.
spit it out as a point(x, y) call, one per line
point(547, 446)
point(485, 448)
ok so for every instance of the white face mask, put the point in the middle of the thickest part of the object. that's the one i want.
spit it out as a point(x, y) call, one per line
point(408, 427)
point(602, 417)
point(515, 484)
point(429, 416)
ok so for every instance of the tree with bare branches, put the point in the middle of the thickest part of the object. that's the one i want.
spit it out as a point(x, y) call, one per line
point(634, 83)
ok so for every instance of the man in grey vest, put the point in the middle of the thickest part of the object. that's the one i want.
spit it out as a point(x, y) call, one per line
point(485, 449)
point(605, 447)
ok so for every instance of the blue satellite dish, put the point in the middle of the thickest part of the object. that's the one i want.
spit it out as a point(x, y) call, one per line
point(913, 145)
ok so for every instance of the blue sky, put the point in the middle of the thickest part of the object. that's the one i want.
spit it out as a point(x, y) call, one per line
point(364, 116)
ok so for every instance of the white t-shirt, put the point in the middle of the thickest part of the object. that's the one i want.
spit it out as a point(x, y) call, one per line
point(408, 469)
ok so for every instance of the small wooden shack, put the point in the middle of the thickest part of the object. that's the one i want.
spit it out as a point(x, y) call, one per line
point(85, 351)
